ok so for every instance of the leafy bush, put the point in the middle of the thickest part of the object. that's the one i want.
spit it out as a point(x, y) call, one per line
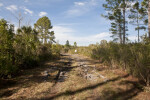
point(6, 48)
point(133, 57)
point(23, 49)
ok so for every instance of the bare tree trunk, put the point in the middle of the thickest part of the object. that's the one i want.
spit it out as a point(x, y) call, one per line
point(45, 41)
point(138, 27)
point(149, 19)
point(138, 35)
point(124, 22)
point(120, 31)
point(120, 36)
point(19, 23)
point(148, 79)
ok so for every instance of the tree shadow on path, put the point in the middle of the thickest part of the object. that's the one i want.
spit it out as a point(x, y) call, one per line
point(68, 93)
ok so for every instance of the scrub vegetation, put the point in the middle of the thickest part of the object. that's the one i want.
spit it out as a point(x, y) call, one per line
point(33, 66)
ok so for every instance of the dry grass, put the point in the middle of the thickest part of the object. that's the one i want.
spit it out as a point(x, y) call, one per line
point(31, 84)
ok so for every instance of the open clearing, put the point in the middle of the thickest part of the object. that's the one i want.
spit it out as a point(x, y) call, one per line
point(73, 77)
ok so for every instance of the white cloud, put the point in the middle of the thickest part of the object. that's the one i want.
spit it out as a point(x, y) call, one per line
point(12, 8)
point(1, 4)
point(80, 8)
point(42, 14)
point(132, 38)
point(79, 3)
point(27, 11)
point(101, 35)
point(64, 33)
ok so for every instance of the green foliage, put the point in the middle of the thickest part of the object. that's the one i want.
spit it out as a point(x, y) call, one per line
point(75, 44)
point(23, 49)
point(134, 58)
point(116, 13)
point(26, 45)
point(83, 50)
point(43, 25)
point(136, 18)
point(67, 46)
point(144, 11)
point(56, 50)
point(6, 48)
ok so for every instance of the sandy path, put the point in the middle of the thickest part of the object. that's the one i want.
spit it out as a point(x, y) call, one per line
point(73, 77)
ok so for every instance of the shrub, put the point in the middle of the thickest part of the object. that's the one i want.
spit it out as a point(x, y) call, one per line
point(132, 57)
point(22, 50)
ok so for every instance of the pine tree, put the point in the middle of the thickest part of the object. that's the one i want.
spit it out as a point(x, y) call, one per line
point(43, 26)
point(136, 18)
point(116, 18)
point(75, 44)
point(117, 25)
point(67, 44)
point(144, 12)
point(117, 13)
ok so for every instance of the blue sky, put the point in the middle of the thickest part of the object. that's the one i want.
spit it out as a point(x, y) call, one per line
point(73, 20)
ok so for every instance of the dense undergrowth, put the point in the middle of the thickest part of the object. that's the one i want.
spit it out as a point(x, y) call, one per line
point(22, 49)
point(133, 58)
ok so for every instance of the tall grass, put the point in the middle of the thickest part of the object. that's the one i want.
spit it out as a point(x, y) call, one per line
point(133, 58)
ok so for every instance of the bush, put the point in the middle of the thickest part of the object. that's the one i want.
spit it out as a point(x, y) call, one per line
point(22, 50)
point(133, 57)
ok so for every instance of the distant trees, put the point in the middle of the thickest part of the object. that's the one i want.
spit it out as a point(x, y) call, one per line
point(67, 44)
point(75, 44)
point(43, 26)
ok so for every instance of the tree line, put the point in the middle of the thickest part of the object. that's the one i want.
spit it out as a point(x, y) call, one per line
point(26, 46)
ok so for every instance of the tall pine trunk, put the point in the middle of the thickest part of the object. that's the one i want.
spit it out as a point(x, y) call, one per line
point(138, 35)
point(120, 30)
point(124, 22)
point(120, 33)
point(149, 19)
point(120, 36)
point(138, 27)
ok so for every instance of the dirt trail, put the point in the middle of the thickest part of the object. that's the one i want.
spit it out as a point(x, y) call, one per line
point(72, 77)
